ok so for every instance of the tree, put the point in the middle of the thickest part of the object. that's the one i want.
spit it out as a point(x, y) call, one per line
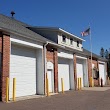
point(102, 52)
point(106, 54)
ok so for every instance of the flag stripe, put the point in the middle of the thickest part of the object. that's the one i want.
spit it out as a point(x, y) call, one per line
point(86, 32)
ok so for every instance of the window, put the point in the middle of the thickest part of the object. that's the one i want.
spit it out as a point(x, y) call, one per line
point(63, 38)
point(77, 43)
point(71, 41)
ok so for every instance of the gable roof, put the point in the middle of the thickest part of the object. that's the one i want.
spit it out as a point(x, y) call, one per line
point(55, 29)
point(12, 25)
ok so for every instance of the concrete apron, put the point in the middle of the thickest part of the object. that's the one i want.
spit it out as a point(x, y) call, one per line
point(26, 98)
point(30, 97)
point(96, 88)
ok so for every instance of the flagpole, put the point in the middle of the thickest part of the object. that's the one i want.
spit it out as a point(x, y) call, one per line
point(91, 50)
point(86, 33)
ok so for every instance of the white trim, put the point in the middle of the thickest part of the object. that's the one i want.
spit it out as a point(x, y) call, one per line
point(26, 43)
point(71, 34)
point(81, 57)
point(65, 55)
point(101, 62)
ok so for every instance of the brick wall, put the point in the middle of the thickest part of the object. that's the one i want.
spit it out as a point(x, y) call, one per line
point(56, 71)
point(96, 82)
point(95, 62)
point(75, 71)
point(5, 44)
point(0, 66)
point(51, 55)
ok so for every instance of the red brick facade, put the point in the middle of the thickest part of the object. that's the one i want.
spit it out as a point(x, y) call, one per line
point(51, 55)
point(95, 62)
point(5, 61)
point(1, 66)
point(75, 72)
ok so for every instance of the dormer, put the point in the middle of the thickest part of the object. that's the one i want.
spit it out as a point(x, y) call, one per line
point(60, 37)
point(70, 40)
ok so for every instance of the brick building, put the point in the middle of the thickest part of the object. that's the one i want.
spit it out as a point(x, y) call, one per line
point(30, 54)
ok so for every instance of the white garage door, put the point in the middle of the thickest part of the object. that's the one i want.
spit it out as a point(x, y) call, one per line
point(63, 72)
point(80, 71)
point(102, 73)
point(23, 68)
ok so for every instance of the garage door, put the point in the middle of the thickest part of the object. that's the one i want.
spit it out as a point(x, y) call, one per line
point(23, 68)
point(79, 66)
point(102, 72)
point(63, 72)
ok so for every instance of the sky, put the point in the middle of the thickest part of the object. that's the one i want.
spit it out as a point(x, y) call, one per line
point(73, 16)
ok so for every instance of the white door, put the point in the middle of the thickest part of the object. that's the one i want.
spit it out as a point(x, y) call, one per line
point(102, 73)
point(23, 68)
point(63, 72)
point(50, 80)
point(80, 72)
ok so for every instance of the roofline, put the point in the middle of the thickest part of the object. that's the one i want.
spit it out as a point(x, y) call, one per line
point(70, 34)
point(23, 23)
point(58, 29)
point(16, 33)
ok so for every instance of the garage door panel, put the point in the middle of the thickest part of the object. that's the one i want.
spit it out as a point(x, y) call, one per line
point(63, 72)
point(23, 68)
point(19, 62)
point(21, 53)
point(18, 70)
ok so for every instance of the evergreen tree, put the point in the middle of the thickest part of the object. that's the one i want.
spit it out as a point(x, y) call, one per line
point(102, 52)
point(106, 54)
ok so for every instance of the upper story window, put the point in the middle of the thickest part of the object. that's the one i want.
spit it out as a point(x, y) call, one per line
point(71, 41)
point(63, 38)
point(77, 43)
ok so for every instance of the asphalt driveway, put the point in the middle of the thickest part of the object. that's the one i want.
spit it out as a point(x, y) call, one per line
point(72, 100)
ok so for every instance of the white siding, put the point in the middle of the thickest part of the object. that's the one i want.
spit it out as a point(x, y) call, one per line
point(40, 72)
point(65, 54)
point(67, 43)
point(27, 42)
point(71, 75)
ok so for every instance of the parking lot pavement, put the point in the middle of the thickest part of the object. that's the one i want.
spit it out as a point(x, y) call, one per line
point(72, 100)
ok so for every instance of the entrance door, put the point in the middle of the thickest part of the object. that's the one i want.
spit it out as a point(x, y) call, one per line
point(50, 80)
point(101, 73)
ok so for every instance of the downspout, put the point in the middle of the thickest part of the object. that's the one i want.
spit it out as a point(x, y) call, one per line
point(45, 67)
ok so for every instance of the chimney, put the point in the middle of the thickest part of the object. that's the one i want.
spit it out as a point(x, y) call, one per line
point(12, 14)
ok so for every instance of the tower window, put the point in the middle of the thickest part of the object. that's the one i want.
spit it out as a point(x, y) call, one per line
point(71, 41)
point(63, 38)
point(77, 43)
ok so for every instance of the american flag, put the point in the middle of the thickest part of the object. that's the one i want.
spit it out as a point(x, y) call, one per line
point(86, 32)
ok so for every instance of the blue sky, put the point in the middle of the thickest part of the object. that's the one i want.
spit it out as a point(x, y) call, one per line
point(72, 15)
